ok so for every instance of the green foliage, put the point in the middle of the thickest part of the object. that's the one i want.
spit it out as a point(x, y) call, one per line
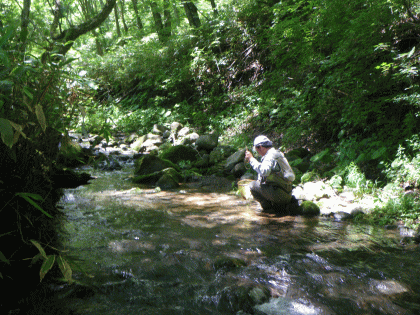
point(403, 209)
point(405, 168)
point(49, 261)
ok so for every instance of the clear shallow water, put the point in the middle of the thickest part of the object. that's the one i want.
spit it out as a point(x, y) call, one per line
point(197, 252)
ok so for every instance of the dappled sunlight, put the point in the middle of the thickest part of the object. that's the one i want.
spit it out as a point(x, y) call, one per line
point(192, 242)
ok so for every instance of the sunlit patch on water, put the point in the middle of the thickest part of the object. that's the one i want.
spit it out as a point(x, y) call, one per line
point(192, 251)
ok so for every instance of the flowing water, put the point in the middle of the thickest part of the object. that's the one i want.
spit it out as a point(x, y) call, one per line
point(135, 250)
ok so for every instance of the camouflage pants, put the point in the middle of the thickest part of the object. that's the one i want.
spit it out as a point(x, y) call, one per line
point(270, 196)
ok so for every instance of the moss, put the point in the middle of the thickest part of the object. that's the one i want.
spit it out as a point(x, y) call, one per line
point(309, 208)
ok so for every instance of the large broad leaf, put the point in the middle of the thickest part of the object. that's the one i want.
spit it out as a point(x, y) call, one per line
point(65, 268)
point(6, 132)
point(46, 266)
point(41, 117)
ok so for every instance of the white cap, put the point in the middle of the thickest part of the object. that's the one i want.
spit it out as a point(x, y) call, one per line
point(262, 140)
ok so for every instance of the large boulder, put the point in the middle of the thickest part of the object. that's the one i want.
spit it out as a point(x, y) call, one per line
point(166, 182)
point(235, 158)
point(179, 153)
point(207, 142)
point(166, 179)
point(72, 153)
point(148, 164)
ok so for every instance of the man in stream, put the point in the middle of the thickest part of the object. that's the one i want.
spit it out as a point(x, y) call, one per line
point(273, 189)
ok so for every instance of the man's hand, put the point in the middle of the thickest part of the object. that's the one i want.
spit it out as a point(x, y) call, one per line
point(248, 156)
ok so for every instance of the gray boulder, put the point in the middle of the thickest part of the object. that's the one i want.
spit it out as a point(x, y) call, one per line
point(158, 129)
point(207, 142)
point(234, 159)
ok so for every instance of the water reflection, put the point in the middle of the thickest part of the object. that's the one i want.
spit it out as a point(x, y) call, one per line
point(196, 252)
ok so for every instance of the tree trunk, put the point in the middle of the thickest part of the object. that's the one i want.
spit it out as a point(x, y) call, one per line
point(136, 13)
point(98, 44)
point(192, 14)
point(167, 30)
point(122, 4)
point(158, 21)
point(24, 21)
point(213, 5)
point(117, 22)
point(71, 34)
point(176, 13)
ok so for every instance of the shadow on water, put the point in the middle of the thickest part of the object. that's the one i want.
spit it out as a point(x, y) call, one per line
point(193, 251)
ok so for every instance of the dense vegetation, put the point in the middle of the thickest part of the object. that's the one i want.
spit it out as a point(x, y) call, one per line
point(337, 77)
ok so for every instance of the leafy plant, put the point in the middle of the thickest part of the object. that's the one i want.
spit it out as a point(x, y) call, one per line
point(49, 261)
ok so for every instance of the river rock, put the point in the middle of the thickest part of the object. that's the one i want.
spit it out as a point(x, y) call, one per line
point(309, 208)
point(166, 181)
point(317, 190)
point(189, 139)
point(239, 299)
point(183, 132)
point(238, 170)
point(175, 127)
point(148, 164)
point(389, 287)
point(179, 153)
point(155, 177)
point(234, 159)
point(158, 129)
point(207, 142)
point(136, 145)
point(151, 145)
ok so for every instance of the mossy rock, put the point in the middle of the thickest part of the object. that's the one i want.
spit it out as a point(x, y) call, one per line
point(166, 182)
point(309, 208)
point(153, 178)
point(179, 153)
point(149, 164)
point(71, 153)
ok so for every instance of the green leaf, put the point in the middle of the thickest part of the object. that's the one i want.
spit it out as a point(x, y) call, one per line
point(28, 93)
point(46, 266)
point(6, 132)
point(378, 153)
point(62, 64)
point(65, 268)
point(41, 117)
point(41, 250)
point(7, 34)
point(28, 196)
point(411, 52)
point(4, 259)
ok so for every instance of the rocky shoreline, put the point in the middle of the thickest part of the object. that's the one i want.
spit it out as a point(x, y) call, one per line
point(170, 155)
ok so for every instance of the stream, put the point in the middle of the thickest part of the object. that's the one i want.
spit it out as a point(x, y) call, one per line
point(137, 250)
